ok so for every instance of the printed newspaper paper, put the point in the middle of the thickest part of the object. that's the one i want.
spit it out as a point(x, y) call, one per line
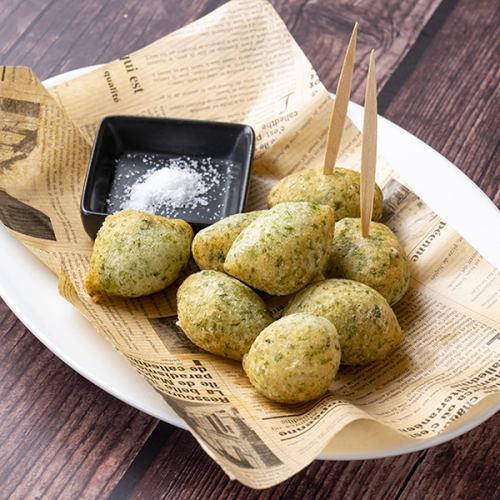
point(240, 64)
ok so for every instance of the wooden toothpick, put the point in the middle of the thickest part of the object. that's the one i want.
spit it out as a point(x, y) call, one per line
point(369, 149)
point(339, 111)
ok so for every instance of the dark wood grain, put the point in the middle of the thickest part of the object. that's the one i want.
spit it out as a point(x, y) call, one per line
point(450, 98)
point(466, 467)
point(67, 34)
point(193, 475)
point(390, 27)
point(60, 435)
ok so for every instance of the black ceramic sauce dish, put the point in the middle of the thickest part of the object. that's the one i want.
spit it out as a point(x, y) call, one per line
point(226, 143)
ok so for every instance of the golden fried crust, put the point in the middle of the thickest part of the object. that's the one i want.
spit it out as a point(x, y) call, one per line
point(295, 359)
point(211, 245)
point(367, 326)
point(378, 260)
point(220, 314)
point(339, 190)
point(137, 253)
point(284, 249)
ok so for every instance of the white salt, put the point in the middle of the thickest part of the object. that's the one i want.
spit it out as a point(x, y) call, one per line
point(171, 186)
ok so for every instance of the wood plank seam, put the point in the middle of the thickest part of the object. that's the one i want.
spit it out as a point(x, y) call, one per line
point(421, 457)
point(409, 62)
point(136, 470)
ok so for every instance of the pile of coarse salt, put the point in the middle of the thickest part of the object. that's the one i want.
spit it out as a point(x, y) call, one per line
point(169, 186)
point(172, 184)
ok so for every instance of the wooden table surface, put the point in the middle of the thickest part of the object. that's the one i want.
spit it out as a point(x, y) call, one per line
point(60, 436)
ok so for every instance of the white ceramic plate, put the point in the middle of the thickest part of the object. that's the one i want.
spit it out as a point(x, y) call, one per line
point(30, 290)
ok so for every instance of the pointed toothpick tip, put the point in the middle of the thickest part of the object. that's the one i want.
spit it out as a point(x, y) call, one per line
point(353, 39)
point(339, 110)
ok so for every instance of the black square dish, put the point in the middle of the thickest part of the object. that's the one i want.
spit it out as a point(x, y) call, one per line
point(129, 148)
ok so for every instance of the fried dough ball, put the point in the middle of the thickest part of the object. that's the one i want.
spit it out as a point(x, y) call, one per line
point(210, 245)
point(137, 253)
point(220, 314)
point(339, 190)
point(367, 326)
point(378, 260)
point(295, 359)
point(284, 249)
